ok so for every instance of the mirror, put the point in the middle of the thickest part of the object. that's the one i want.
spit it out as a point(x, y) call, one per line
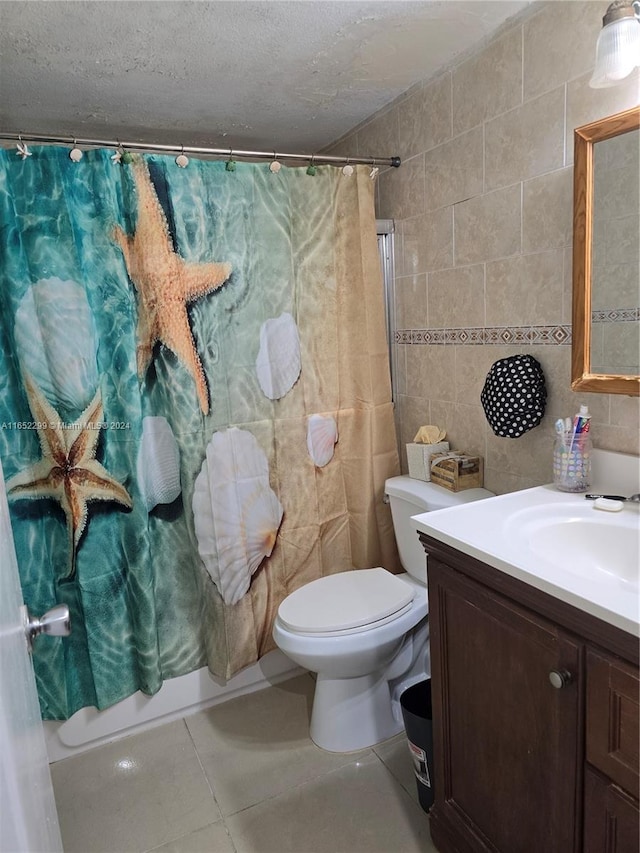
point(605, 353)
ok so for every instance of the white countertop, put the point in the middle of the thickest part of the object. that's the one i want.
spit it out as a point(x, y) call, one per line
point(498, 531)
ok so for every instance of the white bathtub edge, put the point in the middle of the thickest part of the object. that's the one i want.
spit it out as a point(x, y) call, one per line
point(177, 698)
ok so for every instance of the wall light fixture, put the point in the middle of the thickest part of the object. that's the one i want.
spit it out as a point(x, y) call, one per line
point(618, 46)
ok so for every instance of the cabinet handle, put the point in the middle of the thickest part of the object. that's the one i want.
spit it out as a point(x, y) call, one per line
point(559, 678)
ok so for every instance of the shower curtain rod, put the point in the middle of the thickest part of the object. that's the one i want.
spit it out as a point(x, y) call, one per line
point(191, 149)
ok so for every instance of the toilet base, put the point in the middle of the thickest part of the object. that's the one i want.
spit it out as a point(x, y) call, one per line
point(352, 713)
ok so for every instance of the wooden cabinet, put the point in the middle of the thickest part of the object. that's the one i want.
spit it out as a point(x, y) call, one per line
point(613, 719)
point(521, 702)
point(611, 815)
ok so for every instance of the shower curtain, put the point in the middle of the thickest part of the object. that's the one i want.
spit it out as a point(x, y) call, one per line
point(195, 406)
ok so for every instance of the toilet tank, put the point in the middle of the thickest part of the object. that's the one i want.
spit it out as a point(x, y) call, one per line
point(408, 497)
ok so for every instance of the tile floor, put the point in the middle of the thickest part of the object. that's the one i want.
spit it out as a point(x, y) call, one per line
point(242, 777)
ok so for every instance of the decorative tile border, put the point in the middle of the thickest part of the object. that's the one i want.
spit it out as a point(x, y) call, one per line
point(616, 315)
point(500, 335)
point(493, 335)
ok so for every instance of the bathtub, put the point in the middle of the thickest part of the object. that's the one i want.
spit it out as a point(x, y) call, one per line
point(177, 698)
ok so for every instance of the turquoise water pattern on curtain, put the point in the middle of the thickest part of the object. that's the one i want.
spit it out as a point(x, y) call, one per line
point(102, 519)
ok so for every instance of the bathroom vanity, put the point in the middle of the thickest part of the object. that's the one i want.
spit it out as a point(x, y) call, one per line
point(534, 676)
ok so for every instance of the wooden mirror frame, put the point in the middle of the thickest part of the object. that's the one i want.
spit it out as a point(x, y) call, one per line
point(584, 139)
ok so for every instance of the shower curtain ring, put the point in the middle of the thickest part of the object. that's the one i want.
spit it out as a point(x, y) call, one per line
point(311, 169)
point(75, 154)
point(182, 160)
point(231, 163)
point(275, 166)
point(347, 170)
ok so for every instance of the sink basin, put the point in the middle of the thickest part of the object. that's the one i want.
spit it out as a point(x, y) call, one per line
point(558, 542)
point(582, 540)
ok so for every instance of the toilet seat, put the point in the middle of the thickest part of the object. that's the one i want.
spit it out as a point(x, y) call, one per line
point(346, 603)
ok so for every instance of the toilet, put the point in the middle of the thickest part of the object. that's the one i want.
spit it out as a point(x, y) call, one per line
point(365, 632)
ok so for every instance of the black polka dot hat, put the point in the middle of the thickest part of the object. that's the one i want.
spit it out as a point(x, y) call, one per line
point(514, 395)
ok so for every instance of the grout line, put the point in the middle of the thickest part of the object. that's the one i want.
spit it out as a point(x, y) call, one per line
point(426, 296)
point(355, 758)
point(484, 293)
point(522, 64)
point(393, 775)
point(204, 772)
point(521, 217)
point(424, 184)
point(223, 818)
point(192, 832)
point(453, 236)
point(484, 157)
point(451, 90)
point(564, 125)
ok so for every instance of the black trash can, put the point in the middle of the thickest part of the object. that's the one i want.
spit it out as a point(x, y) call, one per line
point(417, 715)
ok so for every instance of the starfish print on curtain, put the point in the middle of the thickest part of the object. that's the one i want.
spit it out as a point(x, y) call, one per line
point(68, 471)
point(165, 284)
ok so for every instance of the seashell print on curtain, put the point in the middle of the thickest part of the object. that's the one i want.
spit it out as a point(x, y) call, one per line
point(195, 406)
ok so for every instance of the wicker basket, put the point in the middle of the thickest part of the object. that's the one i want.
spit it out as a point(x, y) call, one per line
point(458, 472)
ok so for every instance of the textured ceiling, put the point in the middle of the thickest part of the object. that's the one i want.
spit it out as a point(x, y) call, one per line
point(267, 75)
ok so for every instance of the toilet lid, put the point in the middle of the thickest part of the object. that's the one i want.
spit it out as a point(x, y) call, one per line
point(347, 600)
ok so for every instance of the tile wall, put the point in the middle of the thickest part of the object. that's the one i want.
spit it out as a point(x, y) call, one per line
point(483, 214)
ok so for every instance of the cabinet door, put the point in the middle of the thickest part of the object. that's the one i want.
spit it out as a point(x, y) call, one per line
point(613, 720)
point(611, 817)
point(507, 743)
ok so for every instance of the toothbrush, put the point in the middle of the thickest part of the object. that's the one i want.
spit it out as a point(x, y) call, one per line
point(575, 431)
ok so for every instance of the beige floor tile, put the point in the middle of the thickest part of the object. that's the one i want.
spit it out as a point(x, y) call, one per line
point(258, 746)
point(210, 839)
point(134, 794)
point(359, 808)
point(394, 753)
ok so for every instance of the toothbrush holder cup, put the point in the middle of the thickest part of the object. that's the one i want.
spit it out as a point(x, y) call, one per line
point(572, 463)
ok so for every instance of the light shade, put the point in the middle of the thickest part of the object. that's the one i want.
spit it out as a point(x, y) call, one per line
point(617, 51)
